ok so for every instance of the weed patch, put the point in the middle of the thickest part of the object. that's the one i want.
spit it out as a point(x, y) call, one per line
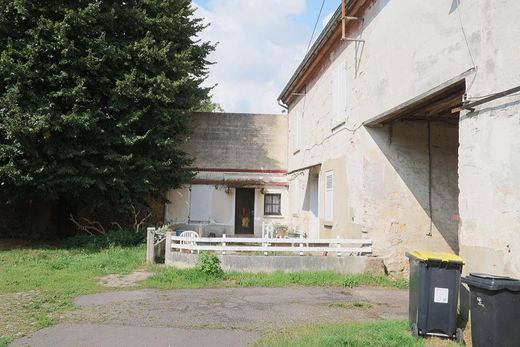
point(385, 333)
point(351, 305)
point(172, 278)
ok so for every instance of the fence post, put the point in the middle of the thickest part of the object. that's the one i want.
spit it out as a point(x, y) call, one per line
point(150, 245)
point(301, 245)
point(168, 256)
point(338, 245)
point(224, 243)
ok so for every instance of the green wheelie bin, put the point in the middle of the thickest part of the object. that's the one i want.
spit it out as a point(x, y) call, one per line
point(434, 294)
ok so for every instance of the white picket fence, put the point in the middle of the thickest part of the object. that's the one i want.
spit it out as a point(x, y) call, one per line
point(245, 245)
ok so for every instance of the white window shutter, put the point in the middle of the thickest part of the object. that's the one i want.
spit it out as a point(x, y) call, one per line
point(296, 197)
point(200, 204)
point(339, 95)
point(329, 195)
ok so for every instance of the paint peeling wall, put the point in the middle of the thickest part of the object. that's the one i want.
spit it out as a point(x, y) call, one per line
point(411, 47)
point(489, 162)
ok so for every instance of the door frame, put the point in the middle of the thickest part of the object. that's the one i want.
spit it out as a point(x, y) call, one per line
point(251, 229)
point(314, 205)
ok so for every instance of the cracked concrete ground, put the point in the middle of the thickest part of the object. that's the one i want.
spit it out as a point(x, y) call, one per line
point(211, 317)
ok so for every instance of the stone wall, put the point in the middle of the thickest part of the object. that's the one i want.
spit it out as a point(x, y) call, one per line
point(409, 48)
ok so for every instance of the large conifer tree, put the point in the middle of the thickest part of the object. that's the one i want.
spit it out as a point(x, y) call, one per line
point(94, 98)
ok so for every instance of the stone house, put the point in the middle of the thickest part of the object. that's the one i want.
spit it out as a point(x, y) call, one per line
point(241, 162)
point(386, 137)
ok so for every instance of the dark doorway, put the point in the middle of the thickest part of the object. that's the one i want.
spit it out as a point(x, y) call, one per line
point(244, 211)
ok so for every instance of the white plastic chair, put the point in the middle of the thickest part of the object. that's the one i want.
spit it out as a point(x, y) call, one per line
point(189, 234)
point(268, 231)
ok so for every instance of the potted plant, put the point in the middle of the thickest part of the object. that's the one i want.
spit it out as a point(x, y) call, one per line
point(281, 230)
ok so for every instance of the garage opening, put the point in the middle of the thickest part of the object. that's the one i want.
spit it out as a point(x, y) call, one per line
point(420, 139)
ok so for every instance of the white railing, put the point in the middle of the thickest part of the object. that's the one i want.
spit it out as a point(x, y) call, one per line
point(268, 245)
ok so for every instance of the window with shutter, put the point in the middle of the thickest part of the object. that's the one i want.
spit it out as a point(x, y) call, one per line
point(339, 95)
point(329, 195)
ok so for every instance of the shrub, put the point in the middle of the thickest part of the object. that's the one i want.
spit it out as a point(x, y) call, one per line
point(209, 264)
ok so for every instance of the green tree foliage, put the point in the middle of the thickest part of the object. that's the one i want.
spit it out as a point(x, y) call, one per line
point(95, 97)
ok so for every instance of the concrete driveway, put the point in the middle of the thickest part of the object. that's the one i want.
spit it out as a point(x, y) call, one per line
point(211, 317)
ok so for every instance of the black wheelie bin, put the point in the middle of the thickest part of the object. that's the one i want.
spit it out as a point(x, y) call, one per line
point(495, 310)
point(434, 294)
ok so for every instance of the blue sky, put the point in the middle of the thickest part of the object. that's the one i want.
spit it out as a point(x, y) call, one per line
point(261, 42)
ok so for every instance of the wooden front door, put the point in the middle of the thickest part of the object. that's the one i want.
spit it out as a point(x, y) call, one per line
point(244, 211)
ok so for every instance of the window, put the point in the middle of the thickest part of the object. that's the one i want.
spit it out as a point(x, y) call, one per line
point(200, 199)
point(339, 96)
point(272, 204)
point(329, 195)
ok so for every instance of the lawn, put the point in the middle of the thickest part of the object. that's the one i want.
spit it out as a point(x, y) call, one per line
point(38, 284)
point(376, 334)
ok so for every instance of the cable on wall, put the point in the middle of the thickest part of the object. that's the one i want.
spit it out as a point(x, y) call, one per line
point(430, 207)
point(467, 45)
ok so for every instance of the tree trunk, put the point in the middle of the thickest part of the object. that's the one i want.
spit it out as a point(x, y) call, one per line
point(63, 208)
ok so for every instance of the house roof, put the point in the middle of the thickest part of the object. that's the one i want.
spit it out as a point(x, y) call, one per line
point(330, 32)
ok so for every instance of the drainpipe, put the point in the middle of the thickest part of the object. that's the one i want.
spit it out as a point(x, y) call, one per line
point(283, 105)
point(343, 19)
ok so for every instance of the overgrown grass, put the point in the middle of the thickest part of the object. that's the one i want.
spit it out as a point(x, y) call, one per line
point(384, 333)
point(171, 278)
point(38, 284)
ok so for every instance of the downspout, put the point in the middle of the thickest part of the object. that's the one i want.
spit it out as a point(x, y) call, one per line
point(343, 19)
point(280, 103)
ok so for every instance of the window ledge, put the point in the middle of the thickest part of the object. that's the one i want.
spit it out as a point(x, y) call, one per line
point(273, 216)
point(335, 127)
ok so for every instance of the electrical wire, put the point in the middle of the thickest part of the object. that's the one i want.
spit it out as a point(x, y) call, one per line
point(338, 130)
point(467, 45)
point(315, 26)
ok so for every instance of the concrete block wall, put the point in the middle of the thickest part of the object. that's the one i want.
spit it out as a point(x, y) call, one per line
point(239, 141)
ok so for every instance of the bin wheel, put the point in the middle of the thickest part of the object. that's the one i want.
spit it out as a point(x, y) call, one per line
point(415, 330)
point(459, 336)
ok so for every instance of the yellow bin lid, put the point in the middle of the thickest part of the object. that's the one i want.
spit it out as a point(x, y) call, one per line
point(436, 256)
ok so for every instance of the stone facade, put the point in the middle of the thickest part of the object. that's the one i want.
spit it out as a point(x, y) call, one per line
point(443, 185)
